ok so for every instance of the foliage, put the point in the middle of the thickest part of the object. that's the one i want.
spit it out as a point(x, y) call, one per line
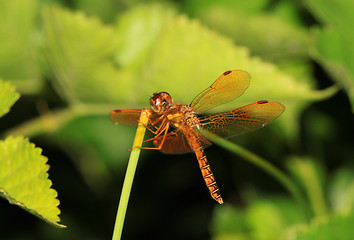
point(8, 97)
point(23, 170)
point(24, 180)
point(332, 42)
point(75, 61)
point(336, 227)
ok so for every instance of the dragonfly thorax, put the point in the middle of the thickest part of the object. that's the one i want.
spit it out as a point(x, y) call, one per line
point(181, 115)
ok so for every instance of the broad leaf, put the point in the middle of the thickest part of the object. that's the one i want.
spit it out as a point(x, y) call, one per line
point(8, 96)
point(24, 179)
point(19, 45)
point(248, 24)
point(188, 57)
point(333, 44)
point(138, 30)
point(80, 52)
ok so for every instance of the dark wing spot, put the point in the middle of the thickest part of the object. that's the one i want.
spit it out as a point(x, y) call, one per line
point(262, 102)
point(226, 73)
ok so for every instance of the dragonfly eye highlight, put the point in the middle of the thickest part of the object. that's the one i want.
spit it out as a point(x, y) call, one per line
point(160, 101)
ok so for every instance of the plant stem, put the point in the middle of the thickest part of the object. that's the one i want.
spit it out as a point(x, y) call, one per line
point(129, 176)
point(287, 182)
point(51, 121)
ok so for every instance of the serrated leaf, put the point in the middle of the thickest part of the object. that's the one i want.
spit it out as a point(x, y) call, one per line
point(138, 30)
point(266, 35)
point(80, 52)
point(187, 58)
point(19, 45)
point(339, 227)
point(8, 96)
point(332, 45)
point(24, 179)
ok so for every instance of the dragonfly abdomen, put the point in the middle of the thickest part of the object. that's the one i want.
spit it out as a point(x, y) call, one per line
point(205, 169)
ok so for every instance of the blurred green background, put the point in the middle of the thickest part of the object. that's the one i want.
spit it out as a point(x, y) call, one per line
point(74, 61)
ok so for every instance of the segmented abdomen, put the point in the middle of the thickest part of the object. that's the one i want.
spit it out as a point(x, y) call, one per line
point(205, 168)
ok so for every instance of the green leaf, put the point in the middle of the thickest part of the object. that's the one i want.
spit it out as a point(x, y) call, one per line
point(310, 175)
point(341, 191)
point(265, 34)
point(262, 219)
point(105, 10)
point(188, 57)
point(80, 52)
point(8, 96)
point(197, 6)
point(138, 30)
point(19, 45)
point(270, 218)
point(24, 179)
point(228, 220)
point(338, 227)
point(333, 44)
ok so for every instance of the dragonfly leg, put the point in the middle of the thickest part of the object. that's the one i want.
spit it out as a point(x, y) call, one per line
point(158, 129)
point(164, 131)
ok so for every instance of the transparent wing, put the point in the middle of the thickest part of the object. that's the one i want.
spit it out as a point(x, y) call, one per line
point(177, 143)
point(227, 87)
point(128, 117)
point(242, 120)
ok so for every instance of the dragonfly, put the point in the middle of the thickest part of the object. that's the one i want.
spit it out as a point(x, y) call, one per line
point(177, 126)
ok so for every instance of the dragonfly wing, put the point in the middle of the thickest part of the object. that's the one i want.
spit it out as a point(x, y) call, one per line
point(227, 87)
point(176, 142)
point(242, 120)
point(128, 117)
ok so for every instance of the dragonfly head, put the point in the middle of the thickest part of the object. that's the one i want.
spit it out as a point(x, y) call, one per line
point(160, 102)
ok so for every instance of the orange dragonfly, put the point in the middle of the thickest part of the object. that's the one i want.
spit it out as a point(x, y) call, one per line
point(176, 125)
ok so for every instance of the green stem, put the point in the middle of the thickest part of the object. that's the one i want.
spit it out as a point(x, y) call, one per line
point(51, 121)
point(129, 176)
point(263, 164)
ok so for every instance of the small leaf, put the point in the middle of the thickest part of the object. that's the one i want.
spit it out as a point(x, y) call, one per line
point(341, 191)
point(269, 218)
point(310, 175)
point(339, 227)
point(8, 96)
point(24, 179)
point(229, 220)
